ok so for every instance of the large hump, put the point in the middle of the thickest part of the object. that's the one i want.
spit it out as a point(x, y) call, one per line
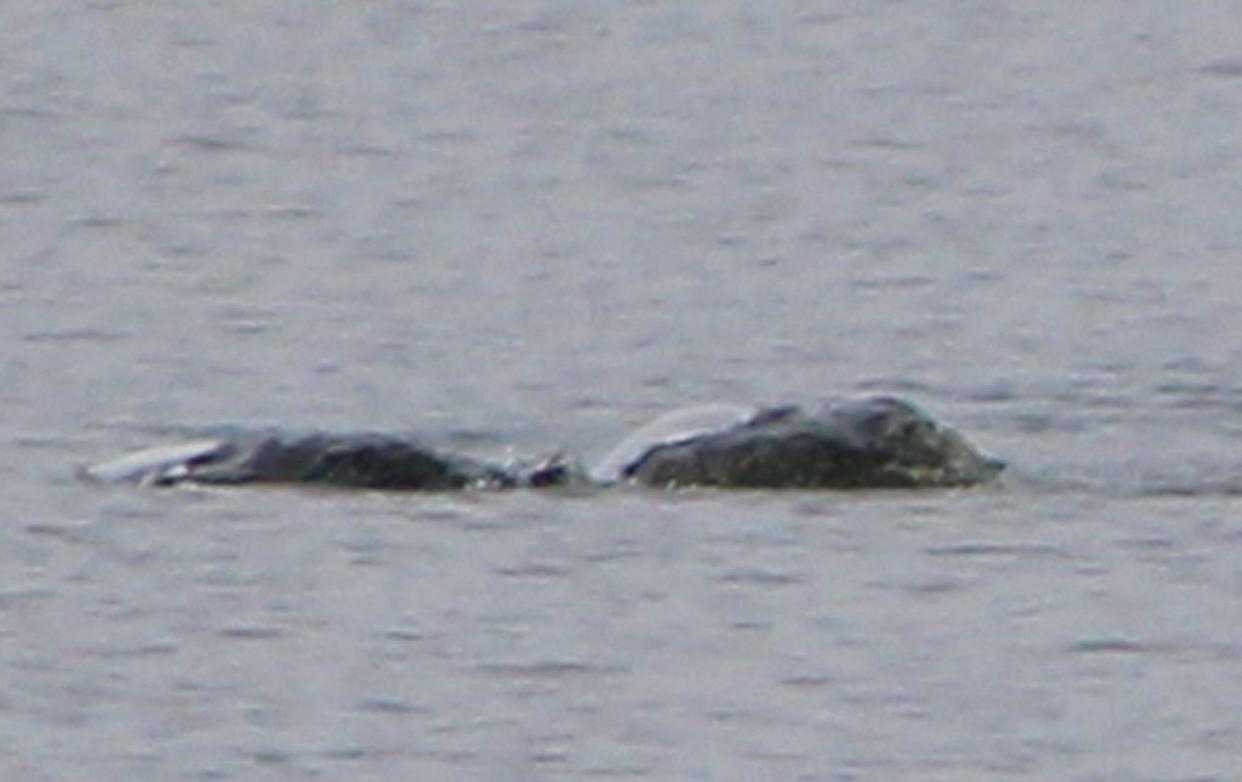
point(679, 426)
point(868, 443)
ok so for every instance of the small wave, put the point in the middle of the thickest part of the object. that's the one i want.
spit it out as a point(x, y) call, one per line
point(988, 549)
point(1109, 645)
point(547, 669)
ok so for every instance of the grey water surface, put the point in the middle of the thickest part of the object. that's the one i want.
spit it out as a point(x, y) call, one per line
point(526, 226)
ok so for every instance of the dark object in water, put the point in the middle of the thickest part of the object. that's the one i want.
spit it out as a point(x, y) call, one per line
point(872, 443)
point(875, 442)
point(359, 460)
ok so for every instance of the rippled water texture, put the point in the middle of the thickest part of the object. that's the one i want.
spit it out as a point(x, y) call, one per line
point(525, 226)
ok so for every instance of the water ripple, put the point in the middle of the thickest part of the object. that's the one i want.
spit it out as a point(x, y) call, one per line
point(549, 669)
point(985, 549)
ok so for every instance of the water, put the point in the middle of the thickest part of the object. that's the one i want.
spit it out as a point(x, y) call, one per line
point(534, 225)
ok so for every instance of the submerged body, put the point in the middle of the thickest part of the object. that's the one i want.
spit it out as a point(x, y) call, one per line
point(876, 442)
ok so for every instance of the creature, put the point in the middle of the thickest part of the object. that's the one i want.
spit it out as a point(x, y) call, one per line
point(873, 442)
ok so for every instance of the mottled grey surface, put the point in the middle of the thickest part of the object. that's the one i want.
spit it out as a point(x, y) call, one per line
point(525, 222)
point(877, 442)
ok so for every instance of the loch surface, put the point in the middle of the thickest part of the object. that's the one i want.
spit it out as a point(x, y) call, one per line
point(526, 226)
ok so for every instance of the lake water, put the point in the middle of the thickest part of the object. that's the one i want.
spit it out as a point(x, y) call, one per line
point(524, 226)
